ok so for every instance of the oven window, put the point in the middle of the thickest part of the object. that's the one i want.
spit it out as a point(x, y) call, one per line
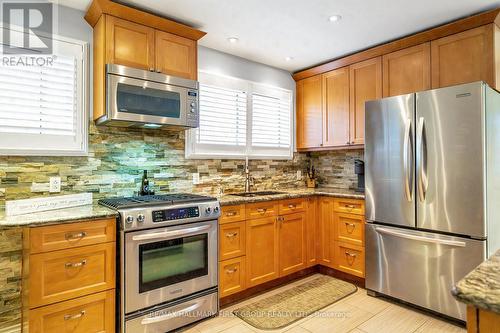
point(148, 101)
point(172, 261)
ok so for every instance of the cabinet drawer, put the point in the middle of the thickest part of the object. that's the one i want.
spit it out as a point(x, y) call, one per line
point(64, 274)
point(262, 209)
point(349, 206)
point(232, 276)
point(88, 314)
point(232, 214)
point(292, 206)
point(231, 240)
point(65, 236)
point(350, 228)
point(350, 258)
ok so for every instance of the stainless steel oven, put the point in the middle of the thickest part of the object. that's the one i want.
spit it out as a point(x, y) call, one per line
point(140, 98)
point(163, 264)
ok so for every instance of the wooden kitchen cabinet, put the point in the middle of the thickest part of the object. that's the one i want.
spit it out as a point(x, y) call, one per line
point(350, 228)
point(349, 258)
point(232, 240)
point(232, 277)
point(129, 44)
point(263, 250)
point(175, 55)
point(292, 243)
point(326, 231)
point(407, 70)
point(464, 57)
point(312, 231)
point(365, 84)
point(309, 114)
point(335, 94)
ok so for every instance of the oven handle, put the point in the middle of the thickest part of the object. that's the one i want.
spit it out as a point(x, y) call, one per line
point(170, 234)
point(147, 321)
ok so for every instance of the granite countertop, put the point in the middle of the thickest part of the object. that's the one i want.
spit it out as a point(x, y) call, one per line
point(481, 287)
point(227, 200)
point(57, 216)
point(96, 211)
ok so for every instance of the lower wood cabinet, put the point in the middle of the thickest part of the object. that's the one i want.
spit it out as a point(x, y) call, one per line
point(292, 243)
point(312, 230)
point(89, 314)
point(350, 228)
point(232, 240)
point(326, 231)
point(482, 321)
point(262, 247)
point(232, 277)
point(350, 258)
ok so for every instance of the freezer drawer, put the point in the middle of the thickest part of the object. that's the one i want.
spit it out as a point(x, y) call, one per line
point(420, 267)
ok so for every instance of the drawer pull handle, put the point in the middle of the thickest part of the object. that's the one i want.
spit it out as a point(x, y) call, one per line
point(75, 235)
point(231, 213)
point(230, 235)
point(75, 316)
point(350, 257)
point(350, 206)
point(262, 210)
point(350, 225)
point(231, 271)
point(292, 206)
point(76, 264)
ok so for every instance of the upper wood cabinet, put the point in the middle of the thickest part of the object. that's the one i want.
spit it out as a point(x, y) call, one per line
point(309, 115)
point(366, 84)
point(407, 70)
point(175, 55)
point(129, 44)
point(336, 107)
point(464, 57)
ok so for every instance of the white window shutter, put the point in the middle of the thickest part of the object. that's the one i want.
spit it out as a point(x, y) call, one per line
point(270, 122)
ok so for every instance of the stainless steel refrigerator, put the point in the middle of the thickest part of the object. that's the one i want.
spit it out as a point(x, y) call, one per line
point(432, 168)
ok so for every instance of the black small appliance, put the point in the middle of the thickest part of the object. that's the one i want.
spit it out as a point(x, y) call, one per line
point(359, 169)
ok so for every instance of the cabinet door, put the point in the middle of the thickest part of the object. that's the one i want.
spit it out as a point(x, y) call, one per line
point(312, 232)
point(326, 231)
point(463, 57)
point(292, 243)
point(231, 240)
point(366, 84)
point(262, 251)
point(336, 107)
point(407, 70)
point(129, 44)
point(309, 116)
point(175, 55)
point(231, 276)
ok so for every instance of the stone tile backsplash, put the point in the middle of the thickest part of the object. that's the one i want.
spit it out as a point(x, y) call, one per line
point(117, 157)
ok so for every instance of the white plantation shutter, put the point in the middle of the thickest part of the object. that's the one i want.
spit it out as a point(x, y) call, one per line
point(270, 121)
point(240, 118)
point(223, 116)
point(42, 109)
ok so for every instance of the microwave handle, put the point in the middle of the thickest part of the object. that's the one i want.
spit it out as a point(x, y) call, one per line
point(170, 234)
point(152, 320)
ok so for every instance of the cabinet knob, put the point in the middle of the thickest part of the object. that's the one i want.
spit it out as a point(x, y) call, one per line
point(151, 69)
point(352, 142)
point(347, 143)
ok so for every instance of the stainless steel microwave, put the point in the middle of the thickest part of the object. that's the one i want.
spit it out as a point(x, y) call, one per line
point(140, 98)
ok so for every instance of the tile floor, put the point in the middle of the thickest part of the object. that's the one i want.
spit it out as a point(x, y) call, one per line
point(358, 313)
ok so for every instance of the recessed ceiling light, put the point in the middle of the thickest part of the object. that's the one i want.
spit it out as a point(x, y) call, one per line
point(233, 40)
point(334, 18)
point(288, 58)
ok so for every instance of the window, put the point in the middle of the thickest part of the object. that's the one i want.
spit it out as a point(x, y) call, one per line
point(239, 118)
point(42, 107)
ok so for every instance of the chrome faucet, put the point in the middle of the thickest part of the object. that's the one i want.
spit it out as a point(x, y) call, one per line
point(248, 178)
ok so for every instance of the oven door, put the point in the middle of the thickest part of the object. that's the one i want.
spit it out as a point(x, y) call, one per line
point(163, 264)
point(143, 101)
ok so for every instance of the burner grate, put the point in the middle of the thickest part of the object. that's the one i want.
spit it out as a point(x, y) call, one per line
point(148, 200)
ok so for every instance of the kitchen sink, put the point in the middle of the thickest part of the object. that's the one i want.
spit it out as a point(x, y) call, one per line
point(257, 194)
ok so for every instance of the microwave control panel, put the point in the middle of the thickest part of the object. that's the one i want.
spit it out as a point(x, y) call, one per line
point(193, 115)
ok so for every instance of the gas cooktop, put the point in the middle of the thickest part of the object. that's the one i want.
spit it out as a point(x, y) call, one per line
point(153, 200)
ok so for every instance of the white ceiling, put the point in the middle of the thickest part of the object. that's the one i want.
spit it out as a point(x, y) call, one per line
point(270, 30)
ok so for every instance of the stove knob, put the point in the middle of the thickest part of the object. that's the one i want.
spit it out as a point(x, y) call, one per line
point(129, 219)
point(140, 218)
point(208, 210)
point(216, 210)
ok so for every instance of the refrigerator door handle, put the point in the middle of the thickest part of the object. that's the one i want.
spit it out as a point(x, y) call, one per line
point(406, 164)
point(420, 238)
point(422, 165)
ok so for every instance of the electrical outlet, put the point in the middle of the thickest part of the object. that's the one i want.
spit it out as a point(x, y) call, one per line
point(54, 184)
point(196, 178)
point(299, 175)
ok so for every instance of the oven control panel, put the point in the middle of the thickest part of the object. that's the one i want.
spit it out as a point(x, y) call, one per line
point(175, 214)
